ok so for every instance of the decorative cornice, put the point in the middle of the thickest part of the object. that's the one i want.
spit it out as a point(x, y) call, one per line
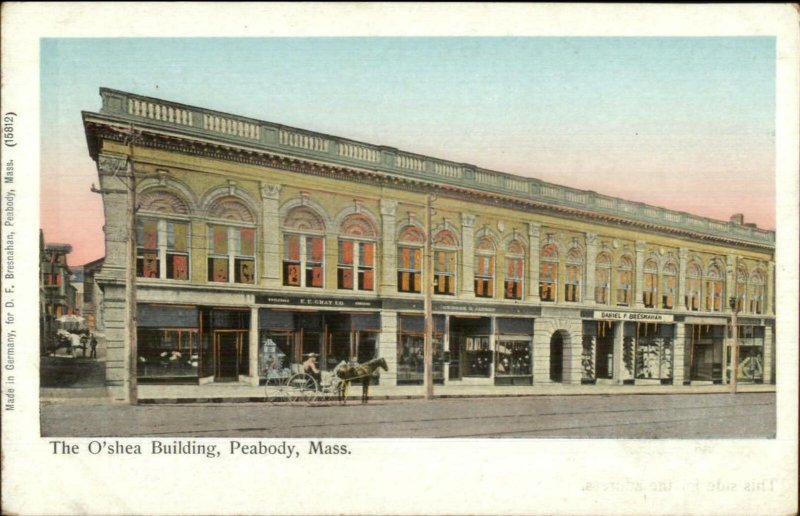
point(100, 126)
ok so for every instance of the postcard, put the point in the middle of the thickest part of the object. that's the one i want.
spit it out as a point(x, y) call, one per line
point(399, 259)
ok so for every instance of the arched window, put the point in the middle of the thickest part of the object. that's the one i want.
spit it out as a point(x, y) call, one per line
point(303, 249)
point(409, 260)
point(757, 292)
point(713, 299)
point(602, 290)
point(574, 279)
point(650, 290)
point(515, 270)
point(356, 270)
point(548, 273)
point(741, 288)
point(231, 242)
point(484, 268)
point(624, 281)
point(445, 248)
point(670, 281)
point(692, 296)
point(162, 236)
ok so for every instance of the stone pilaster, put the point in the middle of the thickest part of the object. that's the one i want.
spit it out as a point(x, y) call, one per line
point(683, 257)
point(541, 353)
point(769, 290)
point(252, 348)
point(678, 355)
point(271, 234)
point(534, 229)
point(619, 363)
point(638, 284)
point(387, 347)
point(769, 353)
point(730, 282)
point(590, 274)
point(573, 351)
point(468, 256)
point(113, 171)
point(388, 284)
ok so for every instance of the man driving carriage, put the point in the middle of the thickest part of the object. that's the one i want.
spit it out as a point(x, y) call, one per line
point(311, 368)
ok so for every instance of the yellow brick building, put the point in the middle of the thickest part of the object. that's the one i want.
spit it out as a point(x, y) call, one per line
point(258, 244)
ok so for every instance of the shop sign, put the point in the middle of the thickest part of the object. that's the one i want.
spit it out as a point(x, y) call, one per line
point(632, 316)
point(320, 302)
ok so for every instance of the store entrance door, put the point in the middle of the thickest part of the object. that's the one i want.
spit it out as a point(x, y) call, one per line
point(557, 358)
point(228, 355)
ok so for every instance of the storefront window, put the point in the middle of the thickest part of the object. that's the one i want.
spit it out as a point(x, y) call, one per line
point(162, 241)
point(624, 281)
point(693, 287)
point(167, 342)
point(167, 353)
point(597, 358)
point(650, 291)
point(670, 277)
point(750, 367)
point(231, 256)
point(653, 350)
point(515, 267)
point(276, 355)
point(603, 279)
point(548, 273)
point(411, 350)
point(572, 284)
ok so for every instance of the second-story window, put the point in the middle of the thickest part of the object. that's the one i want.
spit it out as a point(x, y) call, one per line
point(741, 289)
point(670, 278)
point(162, 249)
point(515, 270)
point(231, 254)
point(757, 293)
point(650, 290)
point(303, 249)
point(624, 281)
point(484, 268)
point(602, 291)
point(548, 273)
point(409, 260)
point(713, 299)
point(445, 274)
point(574, 279)
point(693, 287)
point(356, 268)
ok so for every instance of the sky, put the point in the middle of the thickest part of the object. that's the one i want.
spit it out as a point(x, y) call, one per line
point(685, 123)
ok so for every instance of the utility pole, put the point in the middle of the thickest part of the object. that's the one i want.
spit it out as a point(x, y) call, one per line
point(130, 277)
point(735, 344)
point(428, 285)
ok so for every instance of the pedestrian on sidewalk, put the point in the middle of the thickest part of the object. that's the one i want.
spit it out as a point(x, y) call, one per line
point(93, 344)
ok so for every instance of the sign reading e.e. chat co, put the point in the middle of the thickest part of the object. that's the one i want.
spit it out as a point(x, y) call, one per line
point(632, 316)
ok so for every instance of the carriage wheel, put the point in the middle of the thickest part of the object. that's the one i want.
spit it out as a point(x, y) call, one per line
point(275, 390)
point(302, 387)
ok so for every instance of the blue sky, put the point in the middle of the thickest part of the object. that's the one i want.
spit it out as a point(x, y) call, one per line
point(660, 120)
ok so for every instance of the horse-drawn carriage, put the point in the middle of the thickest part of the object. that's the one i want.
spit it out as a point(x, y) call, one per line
point(334, 385)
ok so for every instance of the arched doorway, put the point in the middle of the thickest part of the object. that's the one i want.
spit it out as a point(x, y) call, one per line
point(557, 357)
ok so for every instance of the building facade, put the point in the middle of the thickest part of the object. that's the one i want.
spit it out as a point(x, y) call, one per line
point(57, 294)
point(258, 244)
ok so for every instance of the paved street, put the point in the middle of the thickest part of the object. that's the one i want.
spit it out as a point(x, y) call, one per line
point(745, 415)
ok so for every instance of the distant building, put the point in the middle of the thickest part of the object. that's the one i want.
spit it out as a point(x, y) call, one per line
point(92, 302)
point(57, 294)
point(259, 243)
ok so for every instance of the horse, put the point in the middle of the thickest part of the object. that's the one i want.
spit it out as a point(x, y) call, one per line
point(361, 372)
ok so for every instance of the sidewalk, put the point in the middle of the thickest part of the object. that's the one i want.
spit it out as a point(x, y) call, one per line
point(229, 393)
